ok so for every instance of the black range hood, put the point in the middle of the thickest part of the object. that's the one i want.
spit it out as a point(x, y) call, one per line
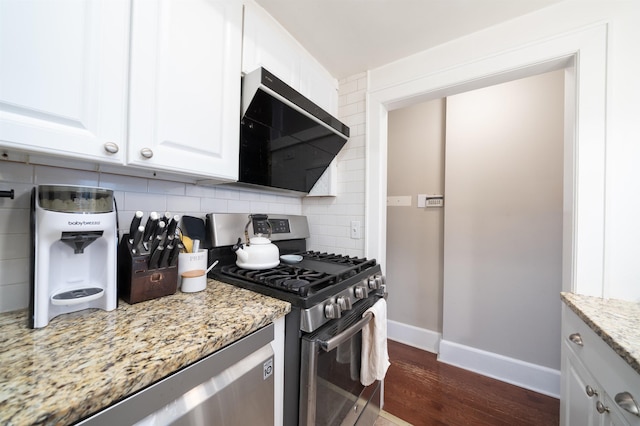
point(286, 141)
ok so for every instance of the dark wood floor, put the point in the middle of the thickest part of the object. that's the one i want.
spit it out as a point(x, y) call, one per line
point(423, 391)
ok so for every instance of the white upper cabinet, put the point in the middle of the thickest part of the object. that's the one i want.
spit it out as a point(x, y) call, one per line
point(63, 77)
point(267, 44)
point(185, 86)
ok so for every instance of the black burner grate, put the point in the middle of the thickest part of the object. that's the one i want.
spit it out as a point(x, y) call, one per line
point(328, 270)
point(285, 277)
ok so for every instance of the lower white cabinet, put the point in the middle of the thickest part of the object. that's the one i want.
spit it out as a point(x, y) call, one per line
point(592, 376)
point(185, 86)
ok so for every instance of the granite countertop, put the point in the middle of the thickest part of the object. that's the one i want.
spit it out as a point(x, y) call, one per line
point(85, 361)
point(617, 322)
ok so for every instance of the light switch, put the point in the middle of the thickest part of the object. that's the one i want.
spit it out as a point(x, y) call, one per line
point(356, 232)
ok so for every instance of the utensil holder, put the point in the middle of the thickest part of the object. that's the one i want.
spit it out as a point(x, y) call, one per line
point(136, 282)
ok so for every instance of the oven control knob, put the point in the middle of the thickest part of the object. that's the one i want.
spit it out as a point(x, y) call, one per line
point(374, 283)
point(332, 311)
point(344, 303)
point(361, 291)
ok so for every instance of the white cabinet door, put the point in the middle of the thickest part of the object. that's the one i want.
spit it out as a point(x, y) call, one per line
point(267, 44)
point(63, 77)
point(579, 407)
point(185, 86)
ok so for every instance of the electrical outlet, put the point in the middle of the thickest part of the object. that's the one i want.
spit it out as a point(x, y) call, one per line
point(356, 232)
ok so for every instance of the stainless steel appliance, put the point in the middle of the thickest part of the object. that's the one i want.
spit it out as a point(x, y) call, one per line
point(233, 386)
point(73, 251)
point(329, 294)
point(286, 141)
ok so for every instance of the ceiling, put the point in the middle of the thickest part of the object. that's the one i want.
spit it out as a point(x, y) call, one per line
point(351, 36)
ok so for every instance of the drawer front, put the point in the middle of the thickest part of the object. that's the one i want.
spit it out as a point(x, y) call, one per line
point(611, 372)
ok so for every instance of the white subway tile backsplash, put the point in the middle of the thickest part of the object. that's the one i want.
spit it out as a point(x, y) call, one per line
point(237, 206)
point(354, 119)
point(14, 222)
point(349, 87)
point(260, 207)
point(14, 271)
point(227, 193)
point(200, 191)
point(122, 183)
point(45, 175)
point(214, 205)
point(178, 204)
point(14, 296)
point(15, 172)
point(145, 202)
point(15, 246)
point(22, 196)
point(166, 187)
point(330, 217)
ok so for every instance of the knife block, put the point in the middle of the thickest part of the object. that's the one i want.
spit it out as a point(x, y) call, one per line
point(136, 282)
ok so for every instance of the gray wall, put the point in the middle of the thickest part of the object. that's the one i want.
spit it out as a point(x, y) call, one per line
point(415, 235)
point(503, 219)
point(485, 270)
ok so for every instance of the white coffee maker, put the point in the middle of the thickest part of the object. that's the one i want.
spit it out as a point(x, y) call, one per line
point(74, 247)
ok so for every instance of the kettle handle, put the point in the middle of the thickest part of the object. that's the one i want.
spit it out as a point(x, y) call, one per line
point(256, 217)
point(237, 246)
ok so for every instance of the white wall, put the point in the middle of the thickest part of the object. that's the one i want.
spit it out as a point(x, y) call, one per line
point(601, 35)
point(131, 194)
point(597, 41)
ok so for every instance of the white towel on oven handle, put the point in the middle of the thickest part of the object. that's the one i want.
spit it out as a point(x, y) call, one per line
point(374, 356)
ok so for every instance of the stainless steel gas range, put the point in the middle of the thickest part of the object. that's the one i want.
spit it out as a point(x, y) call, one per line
point(329, 294)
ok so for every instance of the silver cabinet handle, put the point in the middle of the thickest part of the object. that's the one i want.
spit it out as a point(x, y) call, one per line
point(111, 147)
point(590, 391)
point(146, 152)
point(626, 402)
point(576, 339)
point(601, 408)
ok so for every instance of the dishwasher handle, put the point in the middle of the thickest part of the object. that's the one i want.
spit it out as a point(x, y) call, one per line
point(337, 340)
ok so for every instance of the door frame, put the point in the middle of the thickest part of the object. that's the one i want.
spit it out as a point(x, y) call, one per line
point(583, 55)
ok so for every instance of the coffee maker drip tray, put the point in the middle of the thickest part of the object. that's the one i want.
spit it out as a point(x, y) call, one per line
point(77, 296)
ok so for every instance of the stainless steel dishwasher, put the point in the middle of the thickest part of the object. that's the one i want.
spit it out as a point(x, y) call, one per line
point(232, 386)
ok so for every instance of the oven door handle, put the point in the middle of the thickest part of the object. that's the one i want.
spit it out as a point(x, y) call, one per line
point(335, 341)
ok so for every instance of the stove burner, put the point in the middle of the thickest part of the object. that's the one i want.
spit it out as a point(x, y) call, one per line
point(304, 279)
point(294, 283)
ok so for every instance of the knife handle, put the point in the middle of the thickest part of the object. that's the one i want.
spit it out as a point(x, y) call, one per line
point(164, 258)
point(173, 225)
point(150, 226)
point(156, 242)
point(137, 238)
point(160, 227)
point(154, 260)
point(135, 222)
point(175, 253)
